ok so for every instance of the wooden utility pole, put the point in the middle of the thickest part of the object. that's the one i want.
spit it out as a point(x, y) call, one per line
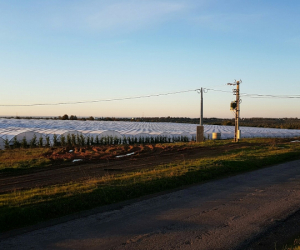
point(201, 107)
point(237, 112)
point(200, 129)
point(236, 107)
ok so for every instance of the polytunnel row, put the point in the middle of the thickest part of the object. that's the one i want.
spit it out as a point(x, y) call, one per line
point(227, 132)
point(124, 127)
point(16, 129)
point(120, 126)
point(50, 136)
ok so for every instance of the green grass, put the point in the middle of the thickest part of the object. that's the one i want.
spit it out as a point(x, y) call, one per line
point(22, 208)
point(22, 160)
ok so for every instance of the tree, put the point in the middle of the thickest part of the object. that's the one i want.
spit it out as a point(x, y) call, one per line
point(65, 117)
point(73, 117)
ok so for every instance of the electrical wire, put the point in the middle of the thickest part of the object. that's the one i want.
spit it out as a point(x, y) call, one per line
point(95, 101)
point(218, 90)
point(271, 96)
point(258, 95)
point(153, 95)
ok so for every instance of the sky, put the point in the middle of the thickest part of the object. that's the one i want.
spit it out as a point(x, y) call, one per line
point(80, 51)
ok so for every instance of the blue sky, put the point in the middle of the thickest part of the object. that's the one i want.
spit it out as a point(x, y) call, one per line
point(68, 51)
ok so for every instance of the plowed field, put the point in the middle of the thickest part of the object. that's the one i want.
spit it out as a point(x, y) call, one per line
point(78, 164)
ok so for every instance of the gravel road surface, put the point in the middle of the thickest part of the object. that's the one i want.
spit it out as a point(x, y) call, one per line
point(223, 214)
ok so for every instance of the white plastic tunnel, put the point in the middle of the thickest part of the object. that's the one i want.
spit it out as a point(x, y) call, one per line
point(51, 133)
point(181, 135)
point(142, 135)
point(165, 134)
point(110, 133)
point(19, 135)
point(94, 134)
point(69, 133)
point(66, 134)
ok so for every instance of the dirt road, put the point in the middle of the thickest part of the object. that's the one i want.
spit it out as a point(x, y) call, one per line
point(223, 214)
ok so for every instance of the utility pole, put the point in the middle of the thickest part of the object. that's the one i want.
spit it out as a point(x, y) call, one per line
point(237, 113)
point(200, 129)
point(236, 107)
point(201, 107)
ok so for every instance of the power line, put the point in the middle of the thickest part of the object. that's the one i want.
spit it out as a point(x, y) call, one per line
point(95, 101)
point(271, 96)
point(153, 95)
point(258, 95)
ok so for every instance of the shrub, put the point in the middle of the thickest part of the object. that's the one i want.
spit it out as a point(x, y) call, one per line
point(40, 141)
point(33, 141)
point(69, 141)
point(16, 143)
point(63, 140)
point(78, 140)
point(82, 140)
point(102, 141)
point(47, 141)
point(73, 140)
point(24, 142)
point(6, 144)
point(97, 140)
point(55, 141)
point(147, 140)
point(116, 140)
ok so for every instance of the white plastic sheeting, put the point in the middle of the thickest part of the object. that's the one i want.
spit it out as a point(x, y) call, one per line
point(19, 133)
point(137, 135)
point(10, 128)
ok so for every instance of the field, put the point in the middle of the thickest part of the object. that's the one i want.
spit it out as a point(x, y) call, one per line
point(39, 184)
point(48, 131)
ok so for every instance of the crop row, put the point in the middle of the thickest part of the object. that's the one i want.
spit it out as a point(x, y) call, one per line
point(81, 140)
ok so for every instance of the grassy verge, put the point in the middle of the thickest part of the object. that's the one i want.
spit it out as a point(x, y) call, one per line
point(27, 207)
point(22, 160)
